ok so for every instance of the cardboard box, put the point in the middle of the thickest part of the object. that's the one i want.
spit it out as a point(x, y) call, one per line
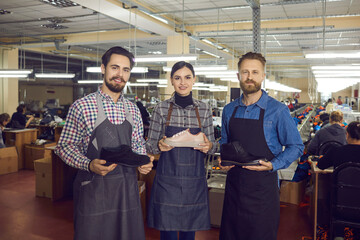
point(142, 193)
point(8, 160)
point(43, 180)
point(34, 152)
point(216, 201)
point(292, 192)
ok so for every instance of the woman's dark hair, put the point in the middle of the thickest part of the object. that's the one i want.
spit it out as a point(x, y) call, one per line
point(20, 108)
point(252, 56)
point(120, 51)
point(180, 65)
point(353, 129)
point(4, 117)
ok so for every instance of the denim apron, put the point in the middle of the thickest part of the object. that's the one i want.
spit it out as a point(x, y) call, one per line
point(108, 207)
point(251, 205)
point(179, 196)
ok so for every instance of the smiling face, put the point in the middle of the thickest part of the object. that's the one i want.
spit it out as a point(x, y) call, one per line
point(251, 75)
point(183, 81)
point(116, 73)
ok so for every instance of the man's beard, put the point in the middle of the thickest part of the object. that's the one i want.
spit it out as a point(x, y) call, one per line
point(248, 89)
point(116, 88)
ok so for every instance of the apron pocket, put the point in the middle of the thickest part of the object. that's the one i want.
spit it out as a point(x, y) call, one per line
point(180, 191)
point(194, 191)
point(90, 197)
point(109, 194)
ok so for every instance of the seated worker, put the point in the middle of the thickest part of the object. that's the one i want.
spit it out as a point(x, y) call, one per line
point(339, 155)
point(333, 132)
point(19, 119)
point(346, 153)
point(4, 120)
point(324, 119)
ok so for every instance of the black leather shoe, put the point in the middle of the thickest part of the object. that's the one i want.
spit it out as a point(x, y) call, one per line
point(123, 155)
point(234, 154)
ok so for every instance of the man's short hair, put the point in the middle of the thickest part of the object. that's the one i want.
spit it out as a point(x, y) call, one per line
point(120, 51)
point(253, 56)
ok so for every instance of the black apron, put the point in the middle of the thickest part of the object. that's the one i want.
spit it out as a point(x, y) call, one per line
point(251, 206)
point(179, 196)
point(108, 207)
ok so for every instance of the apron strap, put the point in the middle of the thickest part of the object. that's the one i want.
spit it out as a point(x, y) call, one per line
point(233, 114)
point(198, 116)
point(169, 114)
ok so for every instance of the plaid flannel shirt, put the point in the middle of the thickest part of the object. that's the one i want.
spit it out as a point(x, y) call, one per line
point(80, 121)
point(180, 117)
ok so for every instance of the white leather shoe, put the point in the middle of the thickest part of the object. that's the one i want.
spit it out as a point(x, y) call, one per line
point(185, 139)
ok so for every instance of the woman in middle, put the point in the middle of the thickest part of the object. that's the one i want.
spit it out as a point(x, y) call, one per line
point(179, 195)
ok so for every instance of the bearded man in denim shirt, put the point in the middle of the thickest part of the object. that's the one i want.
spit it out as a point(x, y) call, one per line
point(263, 126)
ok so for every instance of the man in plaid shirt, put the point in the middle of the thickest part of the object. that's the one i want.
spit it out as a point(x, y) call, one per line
point(106, 198)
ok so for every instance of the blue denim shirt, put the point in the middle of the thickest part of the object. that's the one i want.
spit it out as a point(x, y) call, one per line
point(279, 128)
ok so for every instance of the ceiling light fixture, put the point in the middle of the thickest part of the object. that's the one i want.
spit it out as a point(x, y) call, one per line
point(90, 81)
point(199, 68)
point(336, 67)
point(166, 58)
point(13, 75)
point(163, 81)
point(134, 70)
point(54, 75)
point(15, 71)
point(334, 54)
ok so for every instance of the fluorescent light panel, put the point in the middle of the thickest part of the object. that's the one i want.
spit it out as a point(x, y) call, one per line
point(164, 81)
point(90, 81)
point(15, 71)
point(134, 70)
point(334, 54)
point(13, 75)
point(54, 75)
point(336, 67)
point(199, 68)
point(166, 58)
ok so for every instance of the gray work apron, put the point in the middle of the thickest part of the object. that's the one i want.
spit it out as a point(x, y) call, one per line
point(251, 205)
point(179, 196)
point(108, 207)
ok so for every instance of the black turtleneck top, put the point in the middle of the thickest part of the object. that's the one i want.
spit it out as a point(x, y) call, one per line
point(183, 101)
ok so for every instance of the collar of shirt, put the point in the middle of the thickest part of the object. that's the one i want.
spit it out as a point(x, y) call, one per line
point(261, 103)
point(107, 97)
point(196, 102)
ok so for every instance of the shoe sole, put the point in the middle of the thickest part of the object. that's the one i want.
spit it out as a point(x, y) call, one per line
point(252, 163)
point(183, 144)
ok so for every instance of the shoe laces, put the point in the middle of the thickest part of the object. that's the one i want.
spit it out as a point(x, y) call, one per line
point(179, 133)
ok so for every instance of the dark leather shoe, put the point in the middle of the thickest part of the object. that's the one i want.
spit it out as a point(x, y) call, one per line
point(123, 155)
point(234, 154)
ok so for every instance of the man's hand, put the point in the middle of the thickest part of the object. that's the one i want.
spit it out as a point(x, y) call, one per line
point(265, 166)
point(145, 169)
point(205, 147)
point(163, 146)
point(97, 167)
point(226, 168)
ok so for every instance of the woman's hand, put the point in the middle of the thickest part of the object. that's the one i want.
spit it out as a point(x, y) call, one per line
point(205, 147)
point(163, 146)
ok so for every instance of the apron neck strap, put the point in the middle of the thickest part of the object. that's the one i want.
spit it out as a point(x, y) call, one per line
point(198, 116)
point(169, 114)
